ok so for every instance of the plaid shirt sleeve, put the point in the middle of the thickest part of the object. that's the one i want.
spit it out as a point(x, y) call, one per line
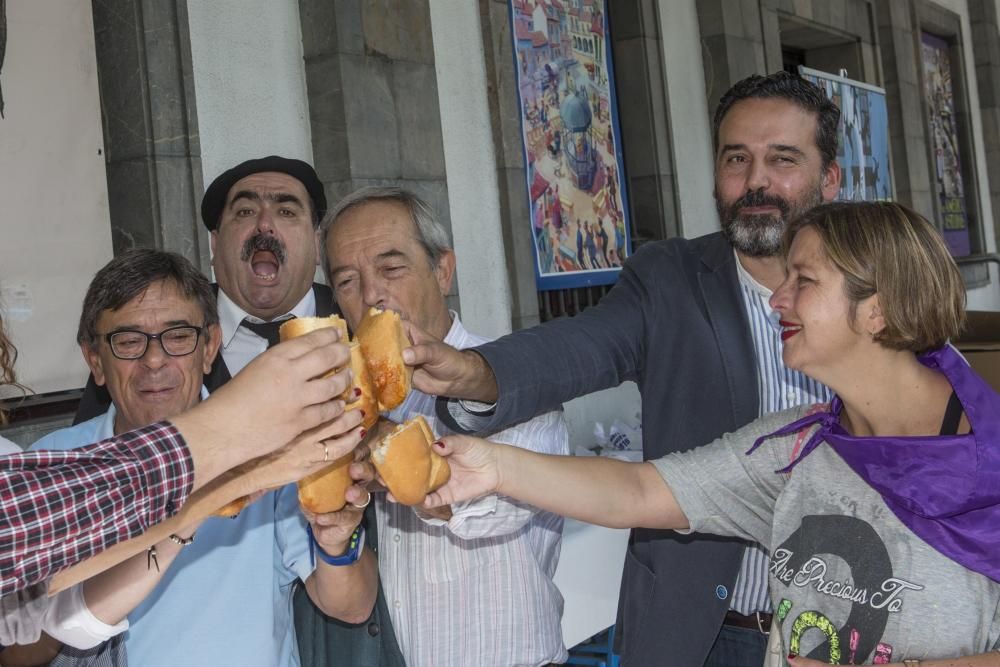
point(58, 508)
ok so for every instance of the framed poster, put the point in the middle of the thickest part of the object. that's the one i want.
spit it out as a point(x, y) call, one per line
point(863, 148)
point(949, 182)
point(571, 139)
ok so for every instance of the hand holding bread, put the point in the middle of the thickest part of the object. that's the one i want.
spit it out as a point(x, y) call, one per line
point(408, 464)
point(380, 381)
point(476, 467)
point(291, 329)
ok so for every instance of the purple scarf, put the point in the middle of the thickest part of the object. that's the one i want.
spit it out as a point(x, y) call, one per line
point(946, 489)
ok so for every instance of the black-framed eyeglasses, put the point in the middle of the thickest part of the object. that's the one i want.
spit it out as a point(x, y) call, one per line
point(175, 341)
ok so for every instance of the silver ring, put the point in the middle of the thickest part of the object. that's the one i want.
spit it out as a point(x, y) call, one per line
point(364, 504)
point(326, 453)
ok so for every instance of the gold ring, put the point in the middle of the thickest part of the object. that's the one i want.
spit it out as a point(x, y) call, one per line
point(364, 504)
point(326, 453)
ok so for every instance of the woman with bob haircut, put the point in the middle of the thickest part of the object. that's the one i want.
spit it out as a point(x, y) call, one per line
point(881, 509)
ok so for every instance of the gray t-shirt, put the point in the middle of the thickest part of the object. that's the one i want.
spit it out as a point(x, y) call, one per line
point(849, 581)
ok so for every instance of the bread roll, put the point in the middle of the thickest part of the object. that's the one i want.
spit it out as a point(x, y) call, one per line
point(231, 509)
point(407, 463)
point(323, 491)
point(382, 341)
point(300, 326)
point(363, 381)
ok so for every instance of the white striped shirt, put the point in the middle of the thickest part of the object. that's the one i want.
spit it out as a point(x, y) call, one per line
point(477, 590)
point(779, 388)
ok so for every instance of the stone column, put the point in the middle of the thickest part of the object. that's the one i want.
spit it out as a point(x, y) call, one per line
point(904, 97)
point(471, 166)
point(733, 42)
point(373, 99)
point(983, 17)
point(150, 126)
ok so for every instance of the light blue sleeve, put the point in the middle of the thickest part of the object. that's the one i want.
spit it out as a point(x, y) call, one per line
point(70, 437)
point(292, 558)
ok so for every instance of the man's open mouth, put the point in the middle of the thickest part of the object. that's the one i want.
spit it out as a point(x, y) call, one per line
point(264, 264)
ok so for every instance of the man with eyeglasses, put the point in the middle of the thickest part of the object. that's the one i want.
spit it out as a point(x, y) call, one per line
point(149, 331)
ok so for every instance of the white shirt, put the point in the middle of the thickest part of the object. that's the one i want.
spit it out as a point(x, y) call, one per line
point(240, 346)
point(25, 614)
point(478, 589)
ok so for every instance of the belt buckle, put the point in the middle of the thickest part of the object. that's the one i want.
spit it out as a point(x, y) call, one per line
point(760, 624)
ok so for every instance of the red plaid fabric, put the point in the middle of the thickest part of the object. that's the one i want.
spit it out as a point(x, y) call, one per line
point(58, 508)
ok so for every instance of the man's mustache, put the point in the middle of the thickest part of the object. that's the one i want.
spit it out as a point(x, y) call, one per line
point(754, 198)
point(263, 242)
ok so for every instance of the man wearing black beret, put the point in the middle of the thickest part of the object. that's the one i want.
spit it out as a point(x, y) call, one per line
point(262, 215)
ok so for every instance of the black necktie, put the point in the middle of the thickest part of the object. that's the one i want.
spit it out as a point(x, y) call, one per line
point(266, 330)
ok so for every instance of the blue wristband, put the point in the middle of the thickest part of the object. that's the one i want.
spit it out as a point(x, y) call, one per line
point(354, 548)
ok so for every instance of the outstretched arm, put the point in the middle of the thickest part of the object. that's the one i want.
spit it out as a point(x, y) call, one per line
point(62, 507)
point(592, 489)
point(442, 370)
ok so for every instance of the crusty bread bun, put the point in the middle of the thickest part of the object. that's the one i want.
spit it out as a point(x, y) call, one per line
point(407, 463)
point(323, 491)
point(300, 326)
point(382, 341)
point(232, 508)
point(363, 381)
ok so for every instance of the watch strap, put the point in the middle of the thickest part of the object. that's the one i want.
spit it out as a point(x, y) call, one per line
point(355, 546)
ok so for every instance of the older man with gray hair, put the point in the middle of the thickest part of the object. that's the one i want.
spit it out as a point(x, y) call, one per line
point(475, 589)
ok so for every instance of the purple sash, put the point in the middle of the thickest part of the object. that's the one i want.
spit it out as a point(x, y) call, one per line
point(946, 489)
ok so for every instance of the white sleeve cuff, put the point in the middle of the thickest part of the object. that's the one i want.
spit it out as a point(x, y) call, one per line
point(461, 513)
point(69, 620)
point(477, 407)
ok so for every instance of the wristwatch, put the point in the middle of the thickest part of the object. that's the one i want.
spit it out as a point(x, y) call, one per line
point(354, 547)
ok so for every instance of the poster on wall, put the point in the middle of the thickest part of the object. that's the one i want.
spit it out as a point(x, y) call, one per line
point(863, 149)
point(571, 139)
point(944, 142)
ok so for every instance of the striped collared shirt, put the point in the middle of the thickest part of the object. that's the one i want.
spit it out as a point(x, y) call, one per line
point(478, 589)
point(779, 388)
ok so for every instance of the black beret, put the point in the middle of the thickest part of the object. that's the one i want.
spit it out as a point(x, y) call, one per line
point(214, 200)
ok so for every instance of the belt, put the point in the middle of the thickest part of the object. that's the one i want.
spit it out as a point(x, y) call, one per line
point(759, 621)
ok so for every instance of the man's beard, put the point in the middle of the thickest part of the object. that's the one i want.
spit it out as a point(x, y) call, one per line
point(760, 235)
point(263, 242)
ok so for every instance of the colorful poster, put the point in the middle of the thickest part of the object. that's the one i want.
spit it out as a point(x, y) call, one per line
point(863, 149)
point(944, 143)
point(570, 136)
